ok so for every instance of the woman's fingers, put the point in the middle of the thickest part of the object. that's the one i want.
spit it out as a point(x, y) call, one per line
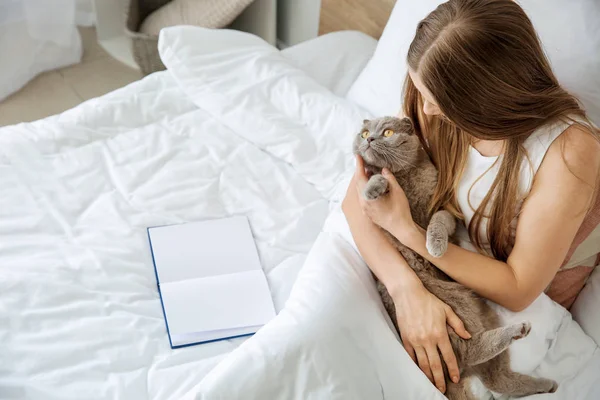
point(360, 163)
point(409, 349)
point(351, 186)
point(449, 358)
point(435, 363)
point(393, 184)
point(423, 362)
point(456, 324)
point(361, 176)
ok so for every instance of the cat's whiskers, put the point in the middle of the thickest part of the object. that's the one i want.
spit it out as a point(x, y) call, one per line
point(410, 150)
point(409, 163)
point(400, 160)
point(389, 158)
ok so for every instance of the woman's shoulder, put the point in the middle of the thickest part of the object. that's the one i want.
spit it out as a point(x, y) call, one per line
point(566, 183)
point(576, 150)
point(570, 169)
point(564, 141)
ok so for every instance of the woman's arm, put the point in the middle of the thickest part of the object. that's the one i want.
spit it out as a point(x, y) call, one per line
point(421, 316)
point(551, 216)
point(383, 259)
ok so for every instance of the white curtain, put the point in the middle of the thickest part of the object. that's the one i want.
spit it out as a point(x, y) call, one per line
point(35, 36)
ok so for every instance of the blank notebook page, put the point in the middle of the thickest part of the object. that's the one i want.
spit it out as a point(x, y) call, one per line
point(217, 303)
point(211, 283)
point(203, 249)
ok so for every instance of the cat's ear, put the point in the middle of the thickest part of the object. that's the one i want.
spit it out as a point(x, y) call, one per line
point(366, 121)
point(406, 126)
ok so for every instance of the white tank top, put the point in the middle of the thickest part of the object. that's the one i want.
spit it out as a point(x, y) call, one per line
point(481, 171)
point(584, 253)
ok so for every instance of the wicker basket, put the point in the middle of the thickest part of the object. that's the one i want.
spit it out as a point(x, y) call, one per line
point(145, 47)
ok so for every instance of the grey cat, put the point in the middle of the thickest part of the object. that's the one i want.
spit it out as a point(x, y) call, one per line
point(390, 142)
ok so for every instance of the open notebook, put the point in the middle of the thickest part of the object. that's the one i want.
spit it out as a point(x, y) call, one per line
point(210, 280)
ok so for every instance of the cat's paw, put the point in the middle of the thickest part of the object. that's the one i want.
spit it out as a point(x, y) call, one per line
point(547, 386)
point(375, 187)
point(437, 240)
point(521, 330)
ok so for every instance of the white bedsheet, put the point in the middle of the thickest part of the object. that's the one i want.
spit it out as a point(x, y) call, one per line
point(233, 128)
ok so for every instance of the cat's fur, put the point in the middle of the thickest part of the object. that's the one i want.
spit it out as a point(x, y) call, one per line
point(484, 354)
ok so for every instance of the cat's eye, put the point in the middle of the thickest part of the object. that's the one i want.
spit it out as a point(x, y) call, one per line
point(365, 134)
point(388, 133)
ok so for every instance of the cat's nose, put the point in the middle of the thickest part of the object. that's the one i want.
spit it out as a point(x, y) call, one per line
point(370, 139)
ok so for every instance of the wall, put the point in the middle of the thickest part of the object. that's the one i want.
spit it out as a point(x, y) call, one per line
point(297, 21)
point(259, 18)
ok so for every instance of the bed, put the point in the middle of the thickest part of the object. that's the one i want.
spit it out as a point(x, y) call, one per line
point(233, 127)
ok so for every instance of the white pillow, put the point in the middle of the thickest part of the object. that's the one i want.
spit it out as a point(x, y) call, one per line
point(378, 88)
point(570, 34)
point(220, 69)
point(334, 60)
point(585, 308)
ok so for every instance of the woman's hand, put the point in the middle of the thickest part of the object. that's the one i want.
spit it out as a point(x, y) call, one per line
point(423, 321)
point(391, 211)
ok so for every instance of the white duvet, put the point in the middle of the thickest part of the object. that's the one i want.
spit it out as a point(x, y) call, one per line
point(232, 128)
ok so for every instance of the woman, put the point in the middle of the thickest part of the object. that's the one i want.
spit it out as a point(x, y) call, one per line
point(507, 139)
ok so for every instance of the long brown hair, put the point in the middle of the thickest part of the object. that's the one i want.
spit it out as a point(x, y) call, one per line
point(484, 64)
